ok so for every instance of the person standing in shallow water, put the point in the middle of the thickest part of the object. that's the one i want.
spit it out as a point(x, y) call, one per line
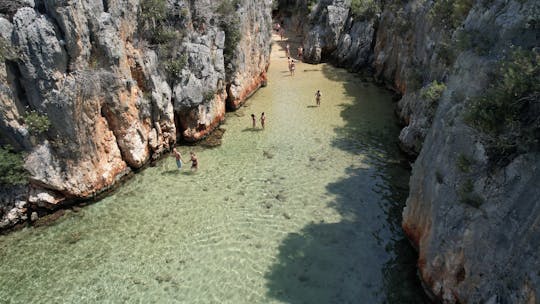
point(292, 67)
point(263, 119)
point(318, 96)
point(194, 161)
point(178, 157)
point(253, 120)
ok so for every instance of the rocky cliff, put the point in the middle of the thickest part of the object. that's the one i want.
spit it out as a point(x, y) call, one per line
point(469, 78)
point(92, 90)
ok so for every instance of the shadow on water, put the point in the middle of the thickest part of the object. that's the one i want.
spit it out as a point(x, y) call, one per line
point(252, 130)
point(366, 257)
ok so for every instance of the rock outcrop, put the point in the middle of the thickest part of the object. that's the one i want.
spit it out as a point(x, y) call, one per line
point(473, 211)
point(116, 85)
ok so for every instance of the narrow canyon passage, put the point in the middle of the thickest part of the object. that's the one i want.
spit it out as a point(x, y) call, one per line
point(306, 211)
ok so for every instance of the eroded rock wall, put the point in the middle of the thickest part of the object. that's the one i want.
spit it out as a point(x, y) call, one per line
point(474, 221)
point(115, 96)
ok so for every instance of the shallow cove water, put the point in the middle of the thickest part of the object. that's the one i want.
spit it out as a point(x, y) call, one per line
point(306, 211)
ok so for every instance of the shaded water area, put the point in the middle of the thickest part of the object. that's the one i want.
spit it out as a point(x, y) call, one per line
point(306, 211)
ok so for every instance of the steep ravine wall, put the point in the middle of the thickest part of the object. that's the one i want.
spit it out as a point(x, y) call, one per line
point(120, 85)
point(475, 221)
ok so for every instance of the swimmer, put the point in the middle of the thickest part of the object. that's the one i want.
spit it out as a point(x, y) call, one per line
point(253, 120)
point(288, 50)
point(292, 67)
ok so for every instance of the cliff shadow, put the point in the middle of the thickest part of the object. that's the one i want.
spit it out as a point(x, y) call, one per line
point(364, 258)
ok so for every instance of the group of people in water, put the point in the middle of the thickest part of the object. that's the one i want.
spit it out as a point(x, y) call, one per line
point(179, 160)
point(254, 120)
point(292, 67)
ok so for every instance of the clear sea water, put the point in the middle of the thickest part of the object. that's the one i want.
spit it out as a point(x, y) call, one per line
point(306, 211)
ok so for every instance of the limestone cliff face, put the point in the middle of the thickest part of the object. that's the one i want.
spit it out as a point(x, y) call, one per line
point(475, 222)
point(115, 95)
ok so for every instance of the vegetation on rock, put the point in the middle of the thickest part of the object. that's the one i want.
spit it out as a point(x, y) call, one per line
point(37, 123)
point(449, 14)
point(230, 23)
point(364, 9)
point(12, 171)
point(508, 113)
point(157, 25)
point(7, 51)
point(433, 92)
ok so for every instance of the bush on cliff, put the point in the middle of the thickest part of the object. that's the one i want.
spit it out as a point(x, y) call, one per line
point(37, 123)
point(7, 51)
point(449, 14)
point(364, 9)
point(12, 171)
point(230, 23)
point(509, 112)
point(433, 92)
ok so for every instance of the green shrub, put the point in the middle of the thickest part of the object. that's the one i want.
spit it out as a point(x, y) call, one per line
point(37, 123)
point(7, 51)
point(433, 92)
point(12, 171)
point(450, 13)
point(227, 7)
point(310, 4)
point(464, 163)
point(468, 196)
point(209, 95)
point(364, 9)
point(478, 42)
point(175, 66)
point(153, 12)
point(164, 35)
point(503, 111)
point(231, 25)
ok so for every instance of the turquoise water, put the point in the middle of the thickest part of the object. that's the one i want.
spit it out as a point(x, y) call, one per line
point(306, 211)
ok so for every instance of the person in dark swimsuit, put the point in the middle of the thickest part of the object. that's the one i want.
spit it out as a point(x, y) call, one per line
point(318, 96)
point(194, 161)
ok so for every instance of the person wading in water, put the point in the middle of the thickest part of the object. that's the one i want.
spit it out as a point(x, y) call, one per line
point(194, 161)
point(178, 157)
point(318, 96)
point(263, 119)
